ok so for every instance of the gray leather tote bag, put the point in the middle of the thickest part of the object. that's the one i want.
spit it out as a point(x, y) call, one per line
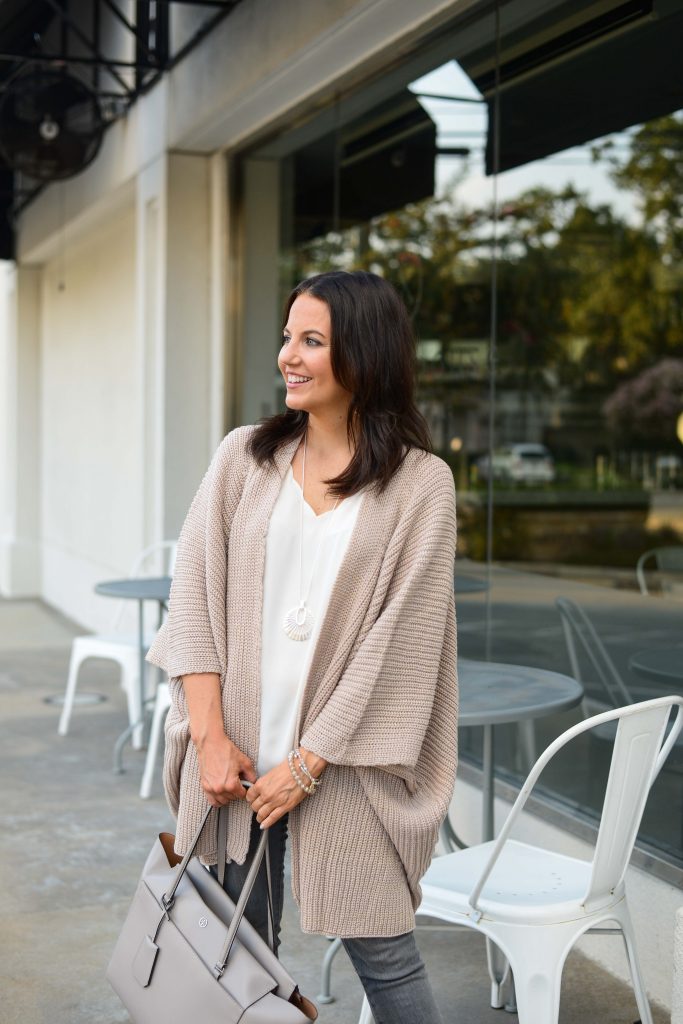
point(187, 953)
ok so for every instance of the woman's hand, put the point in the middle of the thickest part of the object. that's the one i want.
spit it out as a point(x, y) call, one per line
point(221, 763)
point(221, 767)
point(276, 793)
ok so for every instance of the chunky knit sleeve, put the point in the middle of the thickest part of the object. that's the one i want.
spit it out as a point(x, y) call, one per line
point(384, 702)
point(186, 642)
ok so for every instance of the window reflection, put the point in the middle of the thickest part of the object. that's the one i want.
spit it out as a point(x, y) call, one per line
point(585, 458)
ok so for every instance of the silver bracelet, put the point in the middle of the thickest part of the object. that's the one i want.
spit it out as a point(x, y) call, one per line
point(302, 785)
point(304, 768)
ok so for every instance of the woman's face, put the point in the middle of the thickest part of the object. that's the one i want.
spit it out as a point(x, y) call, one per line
point(305, 360)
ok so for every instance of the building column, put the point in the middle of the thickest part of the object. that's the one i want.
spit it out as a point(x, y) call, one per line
point(181, 203)
point(20, 431)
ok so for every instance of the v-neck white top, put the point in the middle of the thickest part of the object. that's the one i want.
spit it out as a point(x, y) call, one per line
point(285, 662)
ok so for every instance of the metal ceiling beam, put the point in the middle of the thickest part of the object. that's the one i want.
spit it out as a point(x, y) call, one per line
point(140, 43)
point(67, 58)
point(60, 11)
point(198, 3)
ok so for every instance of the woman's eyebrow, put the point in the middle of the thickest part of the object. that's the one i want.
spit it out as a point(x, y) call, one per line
point(288, 331)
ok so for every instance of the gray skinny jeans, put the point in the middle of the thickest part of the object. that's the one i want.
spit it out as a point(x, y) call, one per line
point(390, 969)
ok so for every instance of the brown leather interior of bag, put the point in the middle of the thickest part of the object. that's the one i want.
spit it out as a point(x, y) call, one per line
point(304, 1004)
point(168, 841)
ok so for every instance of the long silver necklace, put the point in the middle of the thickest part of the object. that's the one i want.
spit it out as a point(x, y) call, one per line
point(298, 622)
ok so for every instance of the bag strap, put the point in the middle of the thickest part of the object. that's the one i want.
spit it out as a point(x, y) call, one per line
point(168, 900)
point(222, 841)
point(219, 966)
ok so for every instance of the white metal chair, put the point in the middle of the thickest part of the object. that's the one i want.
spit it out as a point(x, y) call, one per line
point(157, 559)
point(162, 703)
point(534, 904)
point(667, 560)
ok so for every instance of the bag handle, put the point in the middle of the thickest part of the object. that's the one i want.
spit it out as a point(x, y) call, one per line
point(167, 901)
point(222, 843)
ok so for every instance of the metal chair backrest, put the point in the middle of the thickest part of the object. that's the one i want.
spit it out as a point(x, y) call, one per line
point(666, 559)
point(580, 633)
point(633, 769)
point(155, 560)
point(640, 750)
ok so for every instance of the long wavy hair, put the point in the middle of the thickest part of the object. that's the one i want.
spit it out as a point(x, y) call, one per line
point(373, 358)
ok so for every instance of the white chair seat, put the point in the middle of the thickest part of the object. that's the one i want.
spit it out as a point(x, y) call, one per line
point(123, 649)
point(527, 882)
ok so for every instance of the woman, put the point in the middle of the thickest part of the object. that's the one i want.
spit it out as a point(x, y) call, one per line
point(311, 640)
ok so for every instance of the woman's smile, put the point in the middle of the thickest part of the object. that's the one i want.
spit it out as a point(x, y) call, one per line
point(296, 380)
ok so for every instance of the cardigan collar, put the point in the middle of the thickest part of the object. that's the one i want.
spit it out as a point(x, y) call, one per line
point(284, 455)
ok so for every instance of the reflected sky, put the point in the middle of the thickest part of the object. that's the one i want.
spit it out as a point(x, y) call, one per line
point(463, 123)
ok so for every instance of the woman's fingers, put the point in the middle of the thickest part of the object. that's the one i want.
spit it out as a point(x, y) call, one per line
point(222, 764)
point(218, 795)
point(272, 818)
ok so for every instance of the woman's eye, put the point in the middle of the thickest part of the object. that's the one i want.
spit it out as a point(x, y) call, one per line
point(285, 340)
point(312, 341)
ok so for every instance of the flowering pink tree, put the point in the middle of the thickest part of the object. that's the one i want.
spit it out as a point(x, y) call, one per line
point(647, 407)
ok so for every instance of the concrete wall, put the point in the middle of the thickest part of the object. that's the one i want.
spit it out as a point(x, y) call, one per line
point(91, 419)
point(20, 420)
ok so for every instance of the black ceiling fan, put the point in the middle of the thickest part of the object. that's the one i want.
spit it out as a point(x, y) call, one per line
point(51, 124)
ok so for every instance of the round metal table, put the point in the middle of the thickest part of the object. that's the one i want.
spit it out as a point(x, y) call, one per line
point(492, 693)
point(148, 588)
point(659, 664)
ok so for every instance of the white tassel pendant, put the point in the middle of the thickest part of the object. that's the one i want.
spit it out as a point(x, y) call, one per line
point(298, 623)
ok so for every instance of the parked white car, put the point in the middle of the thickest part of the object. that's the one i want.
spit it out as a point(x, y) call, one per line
point(519, 463)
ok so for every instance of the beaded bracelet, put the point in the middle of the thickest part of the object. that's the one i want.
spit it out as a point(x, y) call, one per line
point(304, 768)
point(300, 784)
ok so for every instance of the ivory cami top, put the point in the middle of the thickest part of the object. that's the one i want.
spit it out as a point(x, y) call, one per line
point(285, 662)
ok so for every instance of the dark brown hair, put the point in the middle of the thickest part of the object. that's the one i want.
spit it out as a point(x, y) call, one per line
point(373, 357)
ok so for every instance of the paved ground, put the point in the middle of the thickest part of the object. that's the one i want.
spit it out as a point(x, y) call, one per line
point(73, 838)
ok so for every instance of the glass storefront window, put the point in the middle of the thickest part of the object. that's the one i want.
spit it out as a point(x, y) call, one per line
point(554, 290)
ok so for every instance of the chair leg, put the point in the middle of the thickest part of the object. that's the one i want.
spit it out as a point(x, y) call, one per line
point(538, 996)
point(69, 693)
point(634, 966)
point(160, 711)
point(325, 995)
point(129, 682)
point(366, 1013)
point(536, 965)
point(499, 973)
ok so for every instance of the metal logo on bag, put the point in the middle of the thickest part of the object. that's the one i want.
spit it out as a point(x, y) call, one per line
point(203, 922)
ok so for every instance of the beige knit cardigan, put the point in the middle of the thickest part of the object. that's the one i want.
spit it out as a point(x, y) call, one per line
point(380, 701)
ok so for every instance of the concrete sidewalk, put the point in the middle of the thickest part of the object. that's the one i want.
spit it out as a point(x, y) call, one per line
point(74, 838)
